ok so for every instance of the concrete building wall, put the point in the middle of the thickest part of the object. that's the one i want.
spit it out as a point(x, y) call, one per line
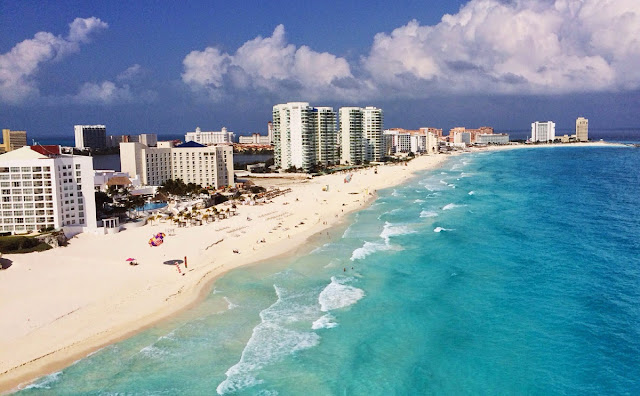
point(582, 129)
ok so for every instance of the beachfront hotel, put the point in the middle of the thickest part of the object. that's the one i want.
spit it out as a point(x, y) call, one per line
point(543, 131)
point(361, 135)
point(210, 137)
point(41, 188)
point(12, 140)
point(582, 129)
point(207, 166)
point(304, 136)
point(400, 140)
point(90, 136)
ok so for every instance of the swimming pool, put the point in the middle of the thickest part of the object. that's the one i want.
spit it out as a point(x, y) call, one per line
point(151, 206)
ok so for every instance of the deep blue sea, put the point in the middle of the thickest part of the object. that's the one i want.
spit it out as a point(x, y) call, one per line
point(514, 272)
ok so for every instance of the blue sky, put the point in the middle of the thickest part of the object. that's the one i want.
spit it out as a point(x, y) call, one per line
point(166, 67)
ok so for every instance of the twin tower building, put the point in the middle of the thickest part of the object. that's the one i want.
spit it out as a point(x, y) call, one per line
point(306, 137)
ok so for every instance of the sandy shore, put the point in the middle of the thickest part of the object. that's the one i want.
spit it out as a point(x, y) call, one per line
point(60, 305)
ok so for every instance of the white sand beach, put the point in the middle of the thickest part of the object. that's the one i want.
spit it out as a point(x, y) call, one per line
point(59, 305)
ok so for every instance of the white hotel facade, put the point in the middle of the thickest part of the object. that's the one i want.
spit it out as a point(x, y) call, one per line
point(41, 188)
point(543, 131)
point(210, 137)
point(208, 166)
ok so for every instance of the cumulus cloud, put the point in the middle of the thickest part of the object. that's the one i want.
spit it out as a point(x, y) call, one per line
point(266, 63)
point(18, 66)
point(126, 89)
point(519, 46)
point(488, 46)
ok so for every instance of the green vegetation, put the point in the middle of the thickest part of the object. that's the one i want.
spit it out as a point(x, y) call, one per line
point(178, 187)
point(21, 244)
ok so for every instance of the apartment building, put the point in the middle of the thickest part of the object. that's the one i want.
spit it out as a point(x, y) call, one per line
point(361, 135)
point(582, 129)
point(304, 136)
point(12, 140)
point(41, 188)
point(208, 166)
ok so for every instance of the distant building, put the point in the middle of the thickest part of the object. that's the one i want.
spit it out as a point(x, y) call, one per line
point(90, 136)
point(399, 140)
point(472, 137)
point(304, 136)
point(361, 135)
point(12, 140)
point(492, 138)
point(207, 166)
point(41, 188)
point(254, 138)
point(543, 131)
point(211, 137)
point(149, 139)
point(582, 129)
point(462, 137)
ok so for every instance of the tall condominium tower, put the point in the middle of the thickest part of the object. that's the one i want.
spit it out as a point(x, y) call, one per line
point(303, 136)
point(543, 131)
point(582, 129)
point(361, 134)
point(90, 136)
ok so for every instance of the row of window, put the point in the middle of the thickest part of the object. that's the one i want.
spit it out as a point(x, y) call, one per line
point(15, 169)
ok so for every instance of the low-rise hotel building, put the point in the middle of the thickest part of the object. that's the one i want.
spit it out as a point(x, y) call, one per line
point(207, 166)
point(41, 188)
point(492, 138)
point(210, 137)
point(423, 140)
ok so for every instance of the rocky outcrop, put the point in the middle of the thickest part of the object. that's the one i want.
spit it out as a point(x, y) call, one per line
point(54, 239)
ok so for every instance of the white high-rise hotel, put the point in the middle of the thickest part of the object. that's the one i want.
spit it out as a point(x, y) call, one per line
point(304, 136)
point(582, 129)
point(41, 188)
point(543, 131)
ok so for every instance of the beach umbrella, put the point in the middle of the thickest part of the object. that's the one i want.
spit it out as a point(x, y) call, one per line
point(131, 259)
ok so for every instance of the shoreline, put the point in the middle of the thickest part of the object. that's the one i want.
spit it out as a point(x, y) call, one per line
point(159, 294)
point(48, 347)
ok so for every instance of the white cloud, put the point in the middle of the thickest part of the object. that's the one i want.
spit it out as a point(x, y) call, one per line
point(18, 66)
point(488, 46)
point(268, 63)
point(519, 46)
point(126, 89)
point(130, 73)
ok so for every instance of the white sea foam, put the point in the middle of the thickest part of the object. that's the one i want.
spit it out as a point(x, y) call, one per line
point(443, 182)
point(389, 230)
point(367, 249)
point(271, 341)
point(451, 185)
point(472, 192)
point(327, 321)
point(440, 229)
point(396, 194)
point(418, 201)
point(46, 381)
point(451, 206)
point(339, 295)
point(428, 213)
point(152, 351)
point(230, 305)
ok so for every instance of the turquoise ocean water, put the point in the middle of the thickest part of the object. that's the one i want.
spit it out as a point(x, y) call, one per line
point(514, 272)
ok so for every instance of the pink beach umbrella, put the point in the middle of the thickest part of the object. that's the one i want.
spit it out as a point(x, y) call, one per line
point(131, 259)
